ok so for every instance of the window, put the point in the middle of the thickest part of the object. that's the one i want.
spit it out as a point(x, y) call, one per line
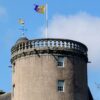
point(60, 61)
point(13, 89)
point(13, 67)
point(60, 85)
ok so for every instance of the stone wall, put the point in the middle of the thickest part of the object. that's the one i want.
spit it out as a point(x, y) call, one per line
point(35, 78)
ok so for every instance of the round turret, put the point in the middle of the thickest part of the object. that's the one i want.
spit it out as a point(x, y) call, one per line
point(49, 69)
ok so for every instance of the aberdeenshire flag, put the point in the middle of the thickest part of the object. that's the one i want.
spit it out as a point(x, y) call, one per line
point(40, 9)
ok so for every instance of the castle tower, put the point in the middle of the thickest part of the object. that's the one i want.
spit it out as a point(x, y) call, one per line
point(49, 69)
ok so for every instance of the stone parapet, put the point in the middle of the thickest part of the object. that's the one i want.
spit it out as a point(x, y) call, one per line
point(49, 45)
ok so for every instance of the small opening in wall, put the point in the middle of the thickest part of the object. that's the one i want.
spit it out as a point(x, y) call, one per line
point(13, 67)
point(13, 90)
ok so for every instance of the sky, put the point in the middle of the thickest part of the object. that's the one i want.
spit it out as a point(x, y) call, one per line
point(70, 19)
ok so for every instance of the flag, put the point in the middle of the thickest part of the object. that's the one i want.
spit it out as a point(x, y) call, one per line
point(21, 21)
point(40, 9)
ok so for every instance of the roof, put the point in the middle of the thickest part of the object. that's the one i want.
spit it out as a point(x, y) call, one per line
point(1, 92)
point(22, 39)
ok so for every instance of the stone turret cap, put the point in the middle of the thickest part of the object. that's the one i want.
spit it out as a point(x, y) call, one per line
point(1, 92)
point(22, 40)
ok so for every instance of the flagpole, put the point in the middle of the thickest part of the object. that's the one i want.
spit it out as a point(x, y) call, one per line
point(23, 30)
point(46, 20)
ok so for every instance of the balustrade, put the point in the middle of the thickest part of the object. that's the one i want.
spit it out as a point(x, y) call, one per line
point(51, 43)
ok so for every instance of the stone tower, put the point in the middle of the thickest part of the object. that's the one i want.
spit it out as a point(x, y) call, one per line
point(49, 69)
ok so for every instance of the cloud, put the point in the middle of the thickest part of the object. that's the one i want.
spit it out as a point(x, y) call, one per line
point(3, 12)
point(81, 27)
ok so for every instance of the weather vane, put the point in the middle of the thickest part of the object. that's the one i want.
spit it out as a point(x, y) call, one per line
point(22, 23)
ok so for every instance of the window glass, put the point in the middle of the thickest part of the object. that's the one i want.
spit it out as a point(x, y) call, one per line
point(61, 61)
point(61, 85)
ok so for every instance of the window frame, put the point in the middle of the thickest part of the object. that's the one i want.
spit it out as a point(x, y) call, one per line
point(59, 61)
point(63, 86)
